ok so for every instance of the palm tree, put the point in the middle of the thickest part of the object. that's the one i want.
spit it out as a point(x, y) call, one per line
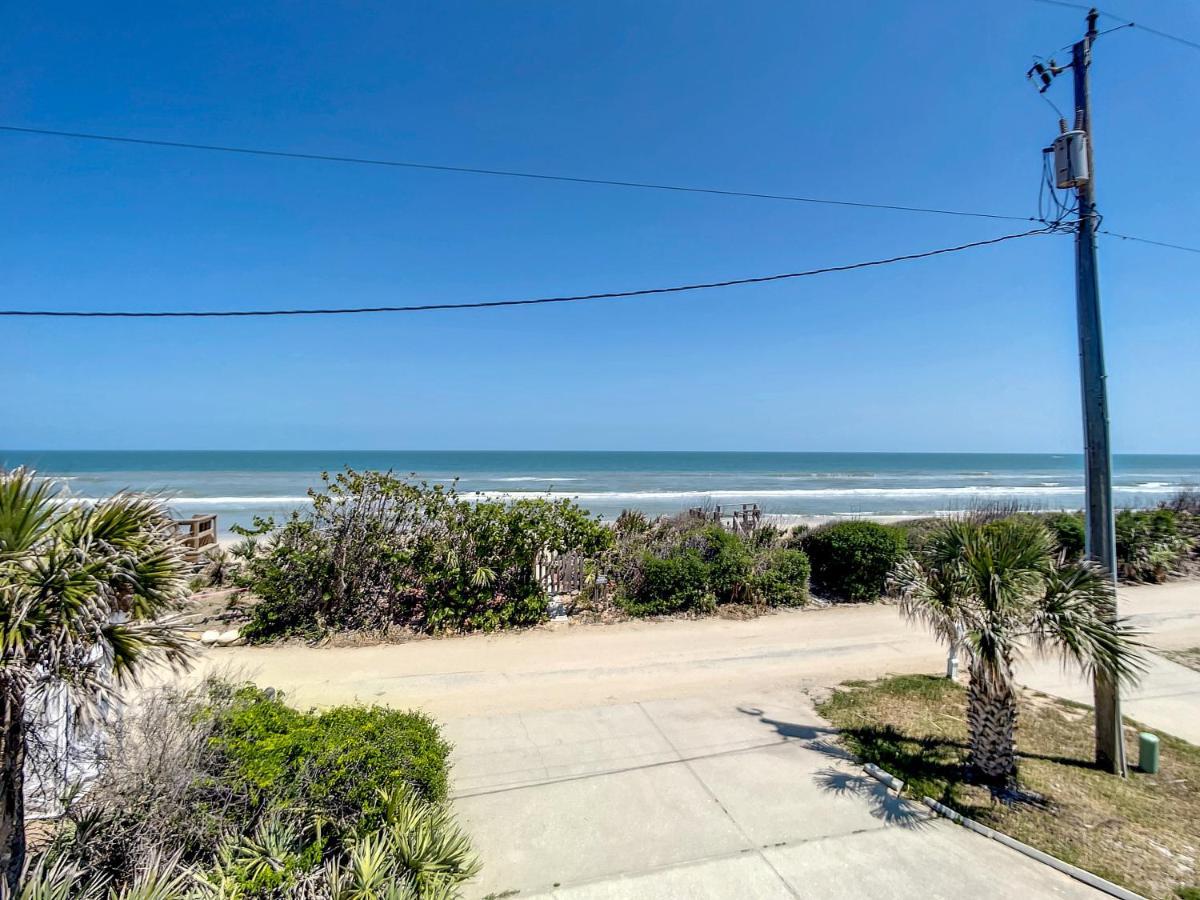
point(81, 588)
point(998, 588)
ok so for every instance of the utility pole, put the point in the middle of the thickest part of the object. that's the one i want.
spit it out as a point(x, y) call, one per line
point(1101, 542)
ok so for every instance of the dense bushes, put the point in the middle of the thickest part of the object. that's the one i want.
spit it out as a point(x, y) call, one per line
point(678, 582)
point(337, 763)
point(1150, 544)
point(1067, 529)
point(377, 551)
point(782, 577)
point(682, 564)
point(853, 560)
point(229, 792)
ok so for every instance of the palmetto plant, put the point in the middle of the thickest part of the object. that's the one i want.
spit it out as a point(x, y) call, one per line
point(81, 592)
point(998, 588)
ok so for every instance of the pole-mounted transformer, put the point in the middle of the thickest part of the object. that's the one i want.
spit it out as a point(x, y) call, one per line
point(1071, 159)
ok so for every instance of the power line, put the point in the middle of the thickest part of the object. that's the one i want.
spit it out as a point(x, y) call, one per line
point(1141, 240)
point(1170, 37)
point(503, 173)
point(1126, 22)
point(491, 304)
point(321, 157)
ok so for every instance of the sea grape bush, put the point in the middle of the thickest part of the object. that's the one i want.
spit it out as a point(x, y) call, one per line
point(376, 551)
point(853, 560)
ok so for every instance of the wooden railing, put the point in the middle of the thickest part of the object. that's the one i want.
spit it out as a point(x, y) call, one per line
point(743, 519)
point(197, 534)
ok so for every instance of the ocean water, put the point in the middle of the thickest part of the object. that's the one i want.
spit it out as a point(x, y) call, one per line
point(237, 485)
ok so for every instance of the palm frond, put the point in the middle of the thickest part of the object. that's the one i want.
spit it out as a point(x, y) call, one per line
point(28, 510)
point(1075, 617)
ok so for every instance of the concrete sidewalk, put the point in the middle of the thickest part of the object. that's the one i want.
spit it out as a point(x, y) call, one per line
point(1166, 699)
point(730, 795)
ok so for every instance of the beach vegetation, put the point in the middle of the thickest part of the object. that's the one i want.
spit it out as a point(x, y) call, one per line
point(1151, 546)
point(781, 577)
point(1068, 531)
point(226, 791)
point(376, 551)
point(219, 567)
point(853, 560)
point(677, 582)
point(996, 588)
point(917, 531)
point(684, 564)
point(631, 521)
point(82, 590)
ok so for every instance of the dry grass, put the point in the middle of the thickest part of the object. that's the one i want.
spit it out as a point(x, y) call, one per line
point(1142, 832)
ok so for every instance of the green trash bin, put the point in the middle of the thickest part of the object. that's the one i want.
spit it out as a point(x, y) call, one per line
point(1148, 752)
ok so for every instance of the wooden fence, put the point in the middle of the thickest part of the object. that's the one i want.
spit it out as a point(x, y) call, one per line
point(559, 573)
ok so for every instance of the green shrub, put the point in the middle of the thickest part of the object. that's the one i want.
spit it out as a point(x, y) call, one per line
point(852, 560)
point(917, 531)
point(782, 577)
point(376, 551)
point(1067, 529)
point(226, 785)
point(728, 563)
point(675, 583)
point(336, 763)
point(1150, 544)
point(765, 537)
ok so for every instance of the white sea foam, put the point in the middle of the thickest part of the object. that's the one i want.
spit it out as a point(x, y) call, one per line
point(546, 478)
point(773, 494)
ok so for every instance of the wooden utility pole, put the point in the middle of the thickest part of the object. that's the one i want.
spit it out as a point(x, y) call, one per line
point(1101, 542)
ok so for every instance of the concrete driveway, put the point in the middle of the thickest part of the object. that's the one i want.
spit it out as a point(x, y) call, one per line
point(683, 759)
point(731, 794)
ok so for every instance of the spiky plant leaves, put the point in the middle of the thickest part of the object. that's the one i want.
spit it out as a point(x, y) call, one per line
point(426, 840)
point(1000, 587)
point(54, 879)
point(162, 878)
point(80, 590)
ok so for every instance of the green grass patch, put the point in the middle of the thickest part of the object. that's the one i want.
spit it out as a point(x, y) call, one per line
point(1142, 832)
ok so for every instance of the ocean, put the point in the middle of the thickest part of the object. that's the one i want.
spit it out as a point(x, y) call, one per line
point(238, 485)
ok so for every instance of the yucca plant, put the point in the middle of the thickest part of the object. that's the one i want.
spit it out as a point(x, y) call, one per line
point(998, 588)
point(81, 592)
point(53, 879)
point(426, 842)
point(160, 878)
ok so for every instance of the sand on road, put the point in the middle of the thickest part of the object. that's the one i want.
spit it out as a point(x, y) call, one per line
point(560, 666)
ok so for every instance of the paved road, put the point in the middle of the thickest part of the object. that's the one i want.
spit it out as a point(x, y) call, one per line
point(684, 759)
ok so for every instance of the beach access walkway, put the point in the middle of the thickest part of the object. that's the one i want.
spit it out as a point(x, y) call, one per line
point(685, 759)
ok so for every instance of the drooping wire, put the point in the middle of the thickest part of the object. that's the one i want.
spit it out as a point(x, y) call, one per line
point(1057, 211)
point(492, 304)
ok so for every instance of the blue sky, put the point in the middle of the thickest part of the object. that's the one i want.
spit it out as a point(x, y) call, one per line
point(918, 103)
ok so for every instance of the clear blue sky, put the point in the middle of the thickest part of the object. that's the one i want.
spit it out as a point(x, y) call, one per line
point(905, 102)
